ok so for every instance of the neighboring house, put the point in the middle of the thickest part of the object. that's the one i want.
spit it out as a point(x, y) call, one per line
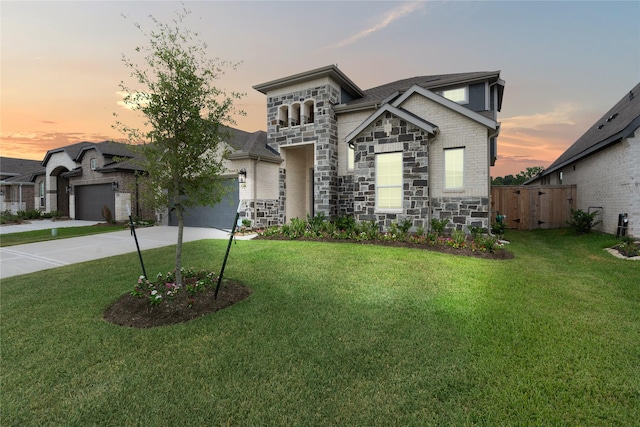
point(414, 149)
point(17, 189)
point(81, 179)
point(604, 165)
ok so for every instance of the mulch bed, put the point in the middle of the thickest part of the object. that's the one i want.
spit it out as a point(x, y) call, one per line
point(137, 312)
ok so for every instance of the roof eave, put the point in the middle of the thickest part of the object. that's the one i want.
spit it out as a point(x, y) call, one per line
point(327, 71)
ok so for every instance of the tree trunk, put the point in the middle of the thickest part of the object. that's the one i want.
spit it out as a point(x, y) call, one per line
point(180, 214)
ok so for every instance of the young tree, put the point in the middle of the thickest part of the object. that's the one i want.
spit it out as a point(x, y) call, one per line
point(181, 148)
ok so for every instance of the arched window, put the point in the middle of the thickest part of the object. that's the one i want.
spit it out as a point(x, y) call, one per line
point(294, 120)
point(308, 113)
point(283, 116)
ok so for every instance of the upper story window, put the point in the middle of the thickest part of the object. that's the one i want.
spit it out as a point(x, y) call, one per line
point(454, 168)
point(283, 116)
point(294, 120)
point(296, 114)
point(93, 164)
point(459, 95)
point(308, 115)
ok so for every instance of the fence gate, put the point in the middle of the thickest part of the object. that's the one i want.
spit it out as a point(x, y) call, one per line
point(529, 208)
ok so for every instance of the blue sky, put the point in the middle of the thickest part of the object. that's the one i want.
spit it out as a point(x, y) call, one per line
point(565, 63)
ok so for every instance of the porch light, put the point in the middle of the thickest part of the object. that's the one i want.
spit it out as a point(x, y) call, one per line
point(114, 185)
point(242, 176)
point(69, 189)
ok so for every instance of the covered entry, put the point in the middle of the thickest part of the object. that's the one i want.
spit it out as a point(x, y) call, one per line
point(220, 215)
point(90, 199)
point(299, 162)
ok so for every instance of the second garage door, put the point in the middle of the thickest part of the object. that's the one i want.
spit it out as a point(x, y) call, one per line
point(90, 200)
point(220, 215)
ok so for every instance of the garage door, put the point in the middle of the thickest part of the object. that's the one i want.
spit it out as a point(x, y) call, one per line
point(91, 198)
point(220, 215)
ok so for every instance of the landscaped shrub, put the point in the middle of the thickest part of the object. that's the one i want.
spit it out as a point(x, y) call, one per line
point(52, 214)
point(370, 231)
point(475, 231)
point(629, 247)
point(6, 217)
point(106, 214)
point(498, 228)
point(164, 289)
point(582, 222)
point(438, 225)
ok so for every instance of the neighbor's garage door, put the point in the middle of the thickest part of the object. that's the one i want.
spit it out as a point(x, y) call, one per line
point(91, 198)
point(220, 215)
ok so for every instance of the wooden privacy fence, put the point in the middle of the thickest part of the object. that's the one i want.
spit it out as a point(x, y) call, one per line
point(529, 208)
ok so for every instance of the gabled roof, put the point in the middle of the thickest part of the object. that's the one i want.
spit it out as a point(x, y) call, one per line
point(108, 149)
point(389, 90)
point(331, 71)
point(399, 112)
point(618, 123)
point(12, 167)
point(415, 89)
point(71, 150)
point(251, 145)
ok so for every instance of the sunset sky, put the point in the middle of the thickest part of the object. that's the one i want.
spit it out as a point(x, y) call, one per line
point(565, 63)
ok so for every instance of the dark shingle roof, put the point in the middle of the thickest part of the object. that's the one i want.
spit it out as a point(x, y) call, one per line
point(250, 144)
point(379, 93)
point(18, 170)
point(618, 123)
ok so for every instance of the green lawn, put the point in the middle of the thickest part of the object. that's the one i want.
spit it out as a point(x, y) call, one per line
point(337, 334)
point(11, 239)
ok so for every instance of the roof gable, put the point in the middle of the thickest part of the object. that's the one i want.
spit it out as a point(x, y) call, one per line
point(399, 112)
point(415, 89)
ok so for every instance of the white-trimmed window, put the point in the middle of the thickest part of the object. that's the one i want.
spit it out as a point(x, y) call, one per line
point(351, 158)
point(93, 164)
point(459, 95)
point(389, 181)
point(41, 191)
point(454, 168)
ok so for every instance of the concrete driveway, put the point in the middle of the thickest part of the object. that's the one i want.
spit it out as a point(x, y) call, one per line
point(32, 257)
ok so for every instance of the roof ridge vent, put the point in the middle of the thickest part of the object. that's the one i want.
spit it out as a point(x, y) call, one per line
point(611, 117)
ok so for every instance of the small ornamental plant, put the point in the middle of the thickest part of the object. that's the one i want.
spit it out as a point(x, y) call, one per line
point(347, 229)
point(164, 288)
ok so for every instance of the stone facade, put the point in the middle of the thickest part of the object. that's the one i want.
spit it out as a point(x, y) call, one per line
point(322, 132)
point(462, 213)
point(392, 134)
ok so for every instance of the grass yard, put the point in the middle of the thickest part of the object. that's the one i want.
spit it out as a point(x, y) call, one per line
point(11, 239)
point(337, 334)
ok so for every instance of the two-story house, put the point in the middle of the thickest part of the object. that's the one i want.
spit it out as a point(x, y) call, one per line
point(414, 149)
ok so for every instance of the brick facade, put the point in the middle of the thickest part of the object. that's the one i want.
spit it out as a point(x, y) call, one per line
point(608, 181)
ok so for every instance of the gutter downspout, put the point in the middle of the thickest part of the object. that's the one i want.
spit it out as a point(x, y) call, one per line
point(429, 202)
point(255, 190)
point(491, 135)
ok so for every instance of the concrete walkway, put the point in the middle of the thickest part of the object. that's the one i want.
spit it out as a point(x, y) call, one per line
point(32, 257)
